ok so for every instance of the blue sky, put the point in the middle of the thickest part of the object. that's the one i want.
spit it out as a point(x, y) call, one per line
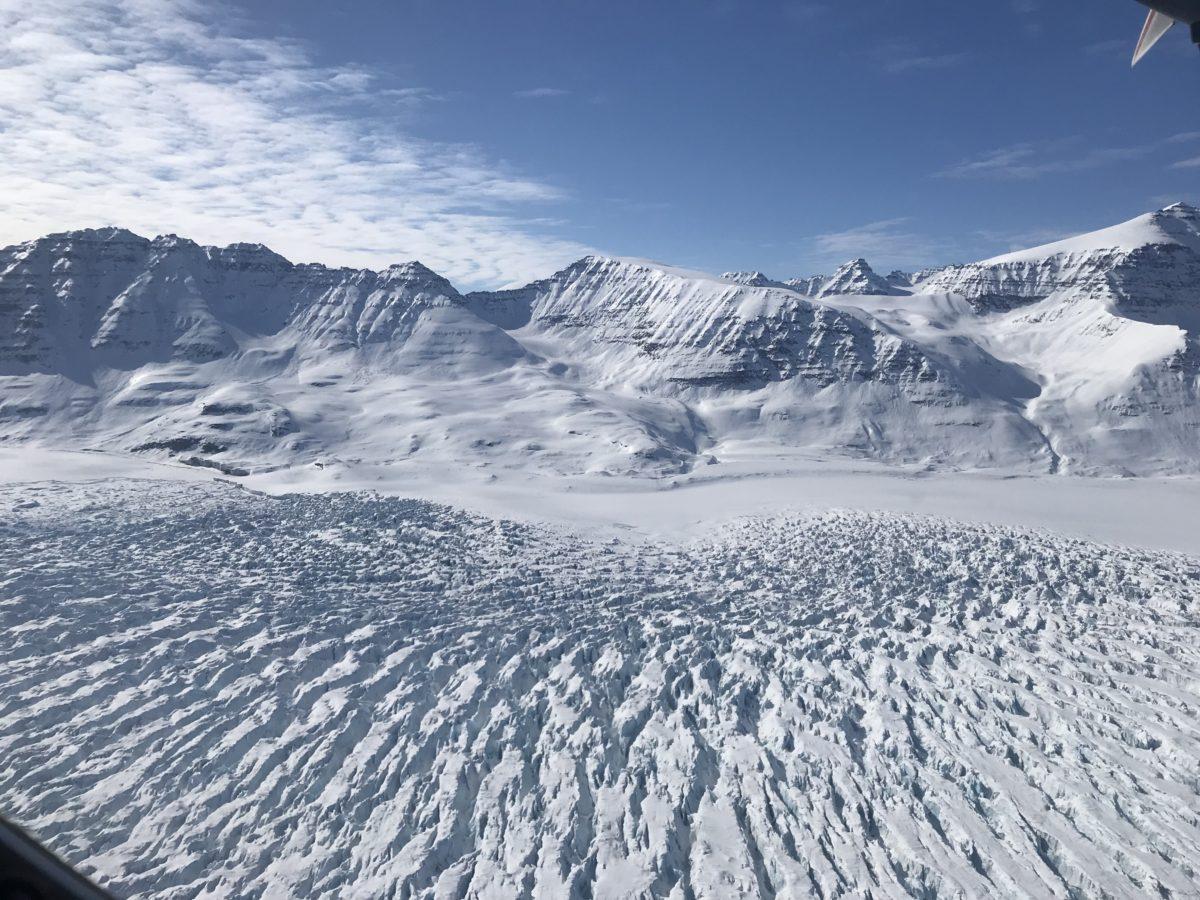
point(498, 140)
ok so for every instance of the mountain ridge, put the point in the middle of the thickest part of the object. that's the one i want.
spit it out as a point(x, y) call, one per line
point(1080, 356)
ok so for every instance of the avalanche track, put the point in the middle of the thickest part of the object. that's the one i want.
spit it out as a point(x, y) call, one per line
point(210, 693)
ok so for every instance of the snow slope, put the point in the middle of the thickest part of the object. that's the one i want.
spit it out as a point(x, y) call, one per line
point(204, 692)
point(1078, 357)
point(1107, 324)
point(767, 363)
point(236, 359)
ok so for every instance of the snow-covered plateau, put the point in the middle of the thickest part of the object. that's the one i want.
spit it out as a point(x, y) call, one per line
point(634, 582)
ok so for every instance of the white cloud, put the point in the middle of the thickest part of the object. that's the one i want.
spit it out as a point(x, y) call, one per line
point(1033, 160)
point(541, 93)
point(138, 113)
point(917, 62)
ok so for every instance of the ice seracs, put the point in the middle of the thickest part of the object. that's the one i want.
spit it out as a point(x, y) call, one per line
point(207, 693)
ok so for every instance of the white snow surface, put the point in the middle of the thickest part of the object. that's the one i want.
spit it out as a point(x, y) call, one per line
point(206, 692)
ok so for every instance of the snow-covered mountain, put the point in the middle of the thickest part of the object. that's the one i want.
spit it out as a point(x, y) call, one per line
point(810, 286)
point(1080, 356)
point(857, 277)
point(210, 692)
point(753, 279)
point(1152, 261)
point(753, 363)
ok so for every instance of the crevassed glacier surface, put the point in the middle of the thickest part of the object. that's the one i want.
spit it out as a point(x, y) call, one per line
point(210, 693)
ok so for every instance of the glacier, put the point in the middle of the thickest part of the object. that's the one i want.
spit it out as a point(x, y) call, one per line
point(211, 692)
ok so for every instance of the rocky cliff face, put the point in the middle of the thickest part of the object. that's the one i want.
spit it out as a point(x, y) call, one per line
point(108, 298)
point(671, 327)
point(766, 362)
point(1153, 259)
point(163, 346)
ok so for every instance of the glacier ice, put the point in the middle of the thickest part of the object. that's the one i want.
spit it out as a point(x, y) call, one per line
point(207, 692)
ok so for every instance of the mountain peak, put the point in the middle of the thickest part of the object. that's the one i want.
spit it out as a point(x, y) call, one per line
point(629, 265)
point(751, 279)
point(412, 268)
point(171, 241)
point(245, 256)
point(857, 277)
point(420, 275)
point(1179, 220)
point(1180, 210)
point(1178, 224)
point(620, 351)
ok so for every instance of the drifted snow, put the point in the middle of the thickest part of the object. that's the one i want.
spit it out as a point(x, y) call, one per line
point(205, 692)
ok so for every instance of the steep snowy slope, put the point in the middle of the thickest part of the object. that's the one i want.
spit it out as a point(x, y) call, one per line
point(857, 277)
point(205, 693)
point(237, 359)
point(1109, 326)
point(1153, 259)
point(767, 363)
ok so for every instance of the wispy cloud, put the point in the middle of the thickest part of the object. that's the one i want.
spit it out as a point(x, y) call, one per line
point(901, 55)
point(1031, 160)
point(886, 243)
point(1028, 11)
point(1187, 164)
point(1114, 47)
point(804, 11)
point(140, 113)
point(916, 62)
point(541, 93)
point(1009, 241)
